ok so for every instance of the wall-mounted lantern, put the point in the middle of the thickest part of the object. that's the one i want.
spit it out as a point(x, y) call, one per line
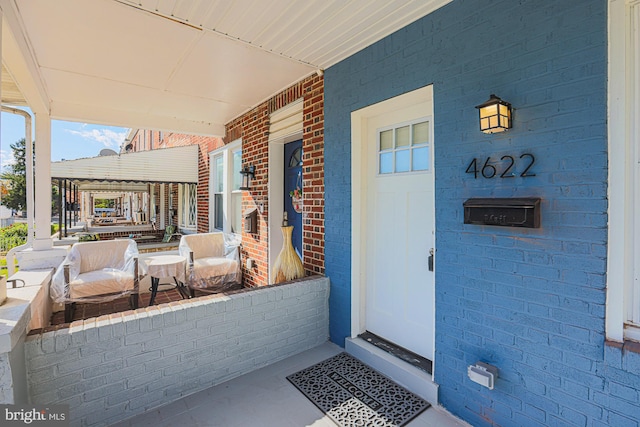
point(248, 173)
point(495, 115)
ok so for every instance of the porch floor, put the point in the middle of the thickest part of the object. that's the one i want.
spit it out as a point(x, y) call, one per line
point(263, 398)
point(87, 311)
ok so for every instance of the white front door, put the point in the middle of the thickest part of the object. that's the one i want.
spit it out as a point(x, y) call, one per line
point(399, 232)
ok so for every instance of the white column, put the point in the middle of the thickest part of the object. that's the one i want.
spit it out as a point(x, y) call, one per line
point(43, 239)
point(84, 216)
point(163, 211)
point(0, 56)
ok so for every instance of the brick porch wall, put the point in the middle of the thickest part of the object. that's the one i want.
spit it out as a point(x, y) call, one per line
point(113, 367)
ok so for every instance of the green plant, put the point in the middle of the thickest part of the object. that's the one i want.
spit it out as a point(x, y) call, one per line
point(16, 235)
point(88, 237)
point(296, 194)
point(3, 266)
point(12, 236)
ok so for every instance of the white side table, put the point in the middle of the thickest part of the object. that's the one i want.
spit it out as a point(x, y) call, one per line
point(160, 266)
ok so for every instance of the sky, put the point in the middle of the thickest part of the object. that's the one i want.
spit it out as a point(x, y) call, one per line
point(69, 140)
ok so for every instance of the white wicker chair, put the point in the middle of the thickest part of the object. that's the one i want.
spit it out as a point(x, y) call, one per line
point(213, 265)
point(95, 272)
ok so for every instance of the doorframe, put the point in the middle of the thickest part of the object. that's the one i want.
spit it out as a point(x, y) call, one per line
point(359, 160)
point(275, 195)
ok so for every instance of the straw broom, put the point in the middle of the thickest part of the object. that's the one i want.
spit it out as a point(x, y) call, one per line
point(288, 265)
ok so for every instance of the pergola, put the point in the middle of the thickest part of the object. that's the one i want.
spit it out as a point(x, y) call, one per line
point(121, 173)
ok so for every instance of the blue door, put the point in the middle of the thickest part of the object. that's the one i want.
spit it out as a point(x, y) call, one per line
point(293, 191)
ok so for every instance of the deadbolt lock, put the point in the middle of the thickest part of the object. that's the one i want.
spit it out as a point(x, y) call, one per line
point(431, 252)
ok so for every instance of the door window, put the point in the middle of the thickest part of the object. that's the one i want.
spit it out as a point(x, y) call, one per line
point(404, 148)
point(296, 158)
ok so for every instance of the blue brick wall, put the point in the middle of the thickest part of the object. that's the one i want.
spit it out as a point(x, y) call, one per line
point(529, 301)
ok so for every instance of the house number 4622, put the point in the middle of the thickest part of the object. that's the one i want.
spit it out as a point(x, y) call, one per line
point(505, 169)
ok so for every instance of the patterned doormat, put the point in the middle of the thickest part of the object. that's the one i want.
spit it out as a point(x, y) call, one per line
point(353, 394)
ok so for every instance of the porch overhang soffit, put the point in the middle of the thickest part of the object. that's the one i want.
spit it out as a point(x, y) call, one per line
point(132, 171)
point(181, 66)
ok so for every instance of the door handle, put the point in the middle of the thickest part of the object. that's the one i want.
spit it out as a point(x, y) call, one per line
point(431, 252)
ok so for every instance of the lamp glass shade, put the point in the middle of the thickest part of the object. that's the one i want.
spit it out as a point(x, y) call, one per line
point(247, 173)
point(245, 183)
point(495, 115)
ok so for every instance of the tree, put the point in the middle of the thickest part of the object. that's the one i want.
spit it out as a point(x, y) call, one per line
point(14, 186)
point(15, 177)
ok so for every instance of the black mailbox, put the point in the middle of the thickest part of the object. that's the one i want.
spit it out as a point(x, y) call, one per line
point(251, 221)
point(516, 212)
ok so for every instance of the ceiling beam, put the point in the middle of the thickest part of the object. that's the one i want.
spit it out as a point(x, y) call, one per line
point(22, 67)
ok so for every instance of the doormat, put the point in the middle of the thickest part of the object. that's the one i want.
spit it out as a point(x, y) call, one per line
point(353, 394)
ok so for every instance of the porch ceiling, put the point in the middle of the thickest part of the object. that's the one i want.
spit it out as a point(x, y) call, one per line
point(176, 65)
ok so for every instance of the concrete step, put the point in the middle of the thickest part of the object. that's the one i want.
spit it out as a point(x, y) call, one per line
point(403, 373)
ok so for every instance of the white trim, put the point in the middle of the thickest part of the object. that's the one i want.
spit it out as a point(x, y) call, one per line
point(358, 220)
point(42, 184)
point(616, 176)
point(163, 215)
point(634, 140)
point(276, 194)
point(286, 121)
point(632, 333)
point(279, 135)
point(18, 57)
point(621, 222)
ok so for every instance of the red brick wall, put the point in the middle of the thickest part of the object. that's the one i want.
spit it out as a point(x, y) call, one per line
point(253, 128)
point(313, 175)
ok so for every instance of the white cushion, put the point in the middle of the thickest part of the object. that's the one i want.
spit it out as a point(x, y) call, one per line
point(211, 267)
point(96, 268)
point(100, 282)
point(203, 245)
point(103, 254)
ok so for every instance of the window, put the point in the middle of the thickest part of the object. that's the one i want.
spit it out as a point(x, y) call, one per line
point(296, 158)
point(226, 196)
point(218, 192)
point(623, 257)
point(153, 203)
point(404, 148)
point(188, 206)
